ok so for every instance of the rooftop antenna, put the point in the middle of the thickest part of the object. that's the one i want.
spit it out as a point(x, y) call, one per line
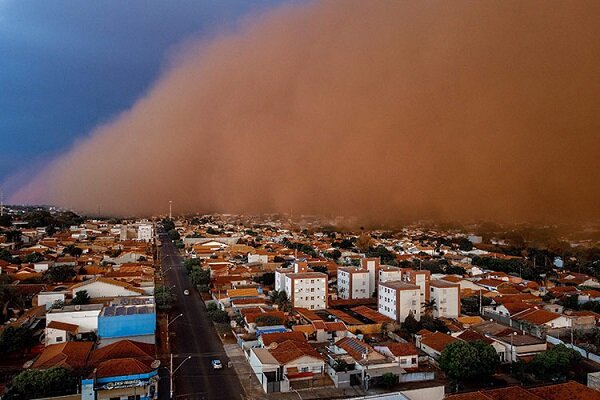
point(1, 203)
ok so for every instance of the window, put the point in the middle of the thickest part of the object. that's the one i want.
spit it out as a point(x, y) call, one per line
point(304, 369)
point(59, 339)
point(403, 361)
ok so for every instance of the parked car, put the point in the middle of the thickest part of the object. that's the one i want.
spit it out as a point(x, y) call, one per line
point(216, 364)
point(186, 292)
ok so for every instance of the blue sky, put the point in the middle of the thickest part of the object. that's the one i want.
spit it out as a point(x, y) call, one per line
point(66, 65)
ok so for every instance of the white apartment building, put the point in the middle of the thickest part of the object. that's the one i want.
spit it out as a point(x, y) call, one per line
point(372, 266)
point(421, 278)
point(353, 283)
point(304, 288)
point(389, 273)
point(307, 290)
point(446, 296)
point(145, 232)
point(397, 299)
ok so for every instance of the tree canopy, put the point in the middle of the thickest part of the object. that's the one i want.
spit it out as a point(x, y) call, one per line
point(555, 362)
point(469, 361)
point(81, 297)
point(33, 383)
point(59, 273)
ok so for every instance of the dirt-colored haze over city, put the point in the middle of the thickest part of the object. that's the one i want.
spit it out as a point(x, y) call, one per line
point(380, 109)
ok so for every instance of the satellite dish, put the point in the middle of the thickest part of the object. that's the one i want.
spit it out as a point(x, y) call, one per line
point(155, 364)
point(28, 364)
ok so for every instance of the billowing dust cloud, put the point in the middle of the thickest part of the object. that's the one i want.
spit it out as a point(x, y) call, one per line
point(381, 109)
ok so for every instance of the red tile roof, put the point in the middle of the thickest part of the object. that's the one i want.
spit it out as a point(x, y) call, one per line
point(63, 326)
point(438, 340)
point(122, 367)
point(291, 350)
point(123, 349)
point(280, 337)
point(371, 314)
point(566, 391)
point(402, 349)
point(69, 354)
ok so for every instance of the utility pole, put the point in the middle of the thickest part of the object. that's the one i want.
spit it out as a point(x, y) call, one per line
point(1, 203)
point(170, 209)
point(172, 372)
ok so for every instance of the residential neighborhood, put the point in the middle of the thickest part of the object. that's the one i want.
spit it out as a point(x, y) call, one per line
point(294, 307)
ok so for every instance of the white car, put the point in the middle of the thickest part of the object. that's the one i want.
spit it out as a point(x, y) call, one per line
point(216, 364)
point(186, 292)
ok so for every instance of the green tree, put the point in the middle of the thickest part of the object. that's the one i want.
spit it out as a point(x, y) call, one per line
point(465, 244)
point(190, 263)
point(5, 220)
point(388, 379)
point(555, 362)
point(164, 297)
point(200, 276)
point(429, 306)
point(16, 339)
point(432, 324)
point(410, 324)
point(268, 320)
point(469, 361)
point(33, 258)
point(218, 316)
point(81, 297)
point(73, 251)
point(174, 235)
point(33, 383)
point(59, 273)
point(340, 365)
point(168, 224)
point(6, 255)
point(335, 254)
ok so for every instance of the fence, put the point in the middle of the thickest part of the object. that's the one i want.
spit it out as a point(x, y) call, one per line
point(584, 353)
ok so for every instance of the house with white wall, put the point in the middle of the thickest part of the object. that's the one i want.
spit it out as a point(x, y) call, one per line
point(85, 316)
point(100, 287)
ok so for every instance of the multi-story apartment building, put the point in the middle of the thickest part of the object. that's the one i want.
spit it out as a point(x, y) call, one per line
point(420, 278)
point(353, 283)
point(145, 232)
point(389, 273)
point(372, 266)
point(446, 299)
point(304, 288)
point(397, 299)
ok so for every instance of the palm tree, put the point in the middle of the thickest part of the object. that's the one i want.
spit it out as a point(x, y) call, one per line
point(429, 306)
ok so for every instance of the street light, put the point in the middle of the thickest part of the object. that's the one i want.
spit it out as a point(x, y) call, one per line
point(512, 351)
point(172, 372)
point(169, 324)
point(173, 320)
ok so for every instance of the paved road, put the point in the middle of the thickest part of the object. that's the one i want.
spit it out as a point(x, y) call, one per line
point(193, 334)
